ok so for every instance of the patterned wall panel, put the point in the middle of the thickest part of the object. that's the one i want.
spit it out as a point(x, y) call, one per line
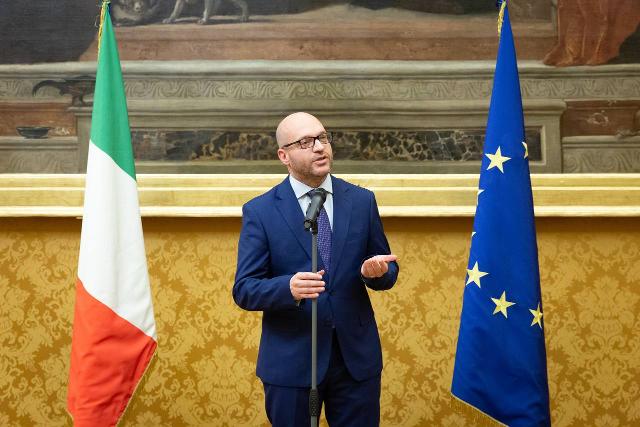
point(203, 373)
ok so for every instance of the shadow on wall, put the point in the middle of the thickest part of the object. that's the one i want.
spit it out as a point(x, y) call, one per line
point(629, 50)
point(46, 31)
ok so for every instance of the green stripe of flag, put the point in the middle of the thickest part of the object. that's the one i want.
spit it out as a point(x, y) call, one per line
point(110, 121)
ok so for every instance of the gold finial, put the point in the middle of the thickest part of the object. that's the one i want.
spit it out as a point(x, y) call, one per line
point(103, 12)
point(503, 5)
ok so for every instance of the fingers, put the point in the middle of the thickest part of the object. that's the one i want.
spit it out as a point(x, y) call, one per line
point(307, 275)
point(310, 292)
point(377, 266)
point(373, 268)
point(387, 258)
point(307, 285)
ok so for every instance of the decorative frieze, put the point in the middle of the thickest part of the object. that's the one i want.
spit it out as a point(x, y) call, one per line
point(604, 154)
point(333, 80)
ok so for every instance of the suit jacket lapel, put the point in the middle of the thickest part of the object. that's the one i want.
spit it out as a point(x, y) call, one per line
point(289, 208)
point(341, 218)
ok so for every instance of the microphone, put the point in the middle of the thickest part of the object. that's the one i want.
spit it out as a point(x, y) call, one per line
point(318, 197)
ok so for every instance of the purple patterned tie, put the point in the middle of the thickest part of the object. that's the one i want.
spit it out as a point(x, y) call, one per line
point(324, 237)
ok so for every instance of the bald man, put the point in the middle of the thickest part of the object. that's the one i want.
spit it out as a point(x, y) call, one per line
point(274, 276)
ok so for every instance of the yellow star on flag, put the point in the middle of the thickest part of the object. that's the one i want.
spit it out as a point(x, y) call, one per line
point(497, 160)
point(475, 274)
point(537, 316)
point(502, 304)
point(526, 149)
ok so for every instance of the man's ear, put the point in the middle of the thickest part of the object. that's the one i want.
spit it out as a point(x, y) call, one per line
point(283, 156)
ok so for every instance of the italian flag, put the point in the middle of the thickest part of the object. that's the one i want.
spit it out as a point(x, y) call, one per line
point(114, 332)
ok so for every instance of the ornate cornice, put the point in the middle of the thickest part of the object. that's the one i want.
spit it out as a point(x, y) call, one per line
point(333, 80)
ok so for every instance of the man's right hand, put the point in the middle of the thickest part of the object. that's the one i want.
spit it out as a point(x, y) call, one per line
point(306, 285)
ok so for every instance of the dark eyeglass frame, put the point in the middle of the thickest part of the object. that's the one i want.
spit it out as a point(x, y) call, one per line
point(309, 141)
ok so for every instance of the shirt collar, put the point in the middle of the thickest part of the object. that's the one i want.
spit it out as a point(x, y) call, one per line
point(301, 189)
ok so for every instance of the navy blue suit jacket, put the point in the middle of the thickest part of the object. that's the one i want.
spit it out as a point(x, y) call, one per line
point(274, 246)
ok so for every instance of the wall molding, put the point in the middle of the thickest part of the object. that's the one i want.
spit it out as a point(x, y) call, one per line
point(446, 195)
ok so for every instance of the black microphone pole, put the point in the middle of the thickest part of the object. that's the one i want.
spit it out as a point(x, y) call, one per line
point(311, 224)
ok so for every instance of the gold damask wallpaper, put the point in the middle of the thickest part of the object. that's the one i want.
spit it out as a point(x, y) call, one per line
point(203, 374)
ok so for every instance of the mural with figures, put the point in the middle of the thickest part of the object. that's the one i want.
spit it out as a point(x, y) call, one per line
point(321, 29)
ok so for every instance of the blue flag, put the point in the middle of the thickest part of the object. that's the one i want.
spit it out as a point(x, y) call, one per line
point(500, 367)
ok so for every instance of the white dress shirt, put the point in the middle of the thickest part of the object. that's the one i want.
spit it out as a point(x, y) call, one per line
point(300, 189)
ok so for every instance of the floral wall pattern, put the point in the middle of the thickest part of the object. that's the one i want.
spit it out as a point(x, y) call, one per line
point(203, 373)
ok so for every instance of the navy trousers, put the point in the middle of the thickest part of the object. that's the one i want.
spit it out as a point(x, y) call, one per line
point(348, 403)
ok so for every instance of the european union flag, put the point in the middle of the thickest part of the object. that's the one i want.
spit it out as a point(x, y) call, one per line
point(500, 366)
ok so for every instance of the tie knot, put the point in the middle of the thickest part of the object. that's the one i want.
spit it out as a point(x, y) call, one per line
point(320, 191)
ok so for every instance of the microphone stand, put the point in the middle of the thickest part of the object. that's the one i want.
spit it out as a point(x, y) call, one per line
point(314, 397)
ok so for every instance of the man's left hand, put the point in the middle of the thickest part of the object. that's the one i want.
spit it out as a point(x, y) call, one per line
point(376, 266)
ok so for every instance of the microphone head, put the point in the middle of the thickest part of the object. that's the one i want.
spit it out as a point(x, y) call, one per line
point(318, 197)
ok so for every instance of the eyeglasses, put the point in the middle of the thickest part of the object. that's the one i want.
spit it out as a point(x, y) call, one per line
point(309, 141)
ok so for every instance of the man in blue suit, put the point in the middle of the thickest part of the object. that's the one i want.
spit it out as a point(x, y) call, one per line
point(274, 276)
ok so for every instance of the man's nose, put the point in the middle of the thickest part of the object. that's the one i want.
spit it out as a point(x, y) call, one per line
point(317, 145)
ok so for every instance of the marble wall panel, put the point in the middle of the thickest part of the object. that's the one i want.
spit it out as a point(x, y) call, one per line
point(456, 145)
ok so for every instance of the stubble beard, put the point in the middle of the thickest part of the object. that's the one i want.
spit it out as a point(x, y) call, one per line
point(307, 173)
